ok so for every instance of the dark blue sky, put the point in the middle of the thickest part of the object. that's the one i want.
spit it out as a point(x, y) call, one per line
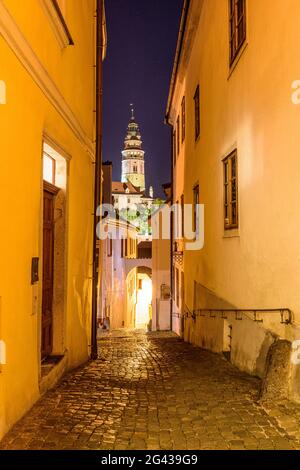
point(142, 38)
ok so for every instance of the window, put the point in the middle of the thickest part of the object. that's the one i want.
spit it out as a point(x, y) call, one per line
point(110, 247)
point(178, 135)
point(2, 92)
point(177, 288)
point(182, 292)
point(182, 215)
point(195, 209)
point(135, 169)
point(49, 169)
point(174, 148)
point(183, 120)
point(177, 221)
point(237, 18)
point(230, 191)
point(197, 112)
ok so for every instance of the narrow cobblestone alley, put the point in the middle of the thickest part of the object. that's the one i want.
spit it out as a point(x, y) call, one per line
point(153, 391)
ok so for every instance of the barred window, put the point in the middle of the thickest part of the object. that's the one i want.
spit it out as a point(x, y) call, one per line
point(237, 17)
point(230, 191)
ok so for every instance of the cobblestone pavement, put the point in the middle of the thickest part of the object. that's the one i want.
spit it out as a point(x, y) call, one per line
point(155, 392)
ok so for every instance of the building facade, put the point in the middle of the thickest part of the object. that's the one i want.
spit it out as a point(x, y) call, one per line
point(123, 263)
point(48, 53)
point(235, 126)
point(161, 265)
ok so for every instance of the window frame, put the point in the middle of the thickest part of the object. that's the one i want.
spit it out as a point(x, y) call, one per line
point(228, 202)
point(110, 247)
point(197, 113)
point(183, 120)
point(177, 290)
point(174, 147)
point(53, 162)
point(196, 200)
point(182, 216)
point(178, 134)
point(236, 44)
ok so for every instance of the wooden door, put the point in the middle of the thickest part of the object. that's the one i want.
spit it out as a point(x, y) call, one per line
point(48, 269)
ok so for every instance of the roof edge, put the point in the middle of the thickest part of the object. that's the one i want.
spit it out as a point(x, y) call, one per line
point(183, 21)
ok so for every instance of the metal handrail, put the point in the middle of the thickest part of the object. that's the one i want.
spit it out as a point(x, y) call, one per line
point(285, 313)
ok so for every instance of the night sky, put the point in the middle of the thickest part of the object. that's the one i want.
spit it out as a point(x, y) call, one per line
point(142, 37)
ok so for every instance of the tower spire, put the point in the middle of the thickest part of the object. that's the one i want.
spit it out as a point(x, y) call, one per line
point(132, 111)
point(133, 162)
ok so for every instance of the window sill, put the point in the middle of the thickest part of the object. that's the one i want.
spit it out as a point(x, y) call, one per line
point(237, 59)
point(232, 233)
point(58, 24)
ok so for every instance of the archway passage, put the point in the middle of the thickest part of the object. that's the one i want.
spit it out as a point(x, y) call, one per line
point(143, 314)
point(139, 298)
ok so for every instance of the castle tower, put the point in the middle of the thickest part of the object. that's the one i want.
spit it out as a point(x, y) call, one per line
point(133, 156)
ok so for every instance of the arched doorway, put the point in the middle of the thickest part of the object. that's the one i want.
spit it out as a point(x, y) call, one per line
point(143, 311)
point(139, 298)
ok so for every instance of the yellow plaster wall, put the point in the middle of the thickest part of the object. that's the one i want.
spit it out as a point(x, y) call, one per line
point(27, 114)
point(249, 108)
point(252, 110)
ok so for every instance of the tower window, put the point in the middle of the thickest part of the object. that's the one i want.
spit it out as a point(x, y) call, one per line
point(135, 169)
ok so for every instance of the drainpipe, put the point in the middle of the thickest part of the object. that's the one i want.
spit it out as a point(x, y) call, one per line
point(98, 168)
